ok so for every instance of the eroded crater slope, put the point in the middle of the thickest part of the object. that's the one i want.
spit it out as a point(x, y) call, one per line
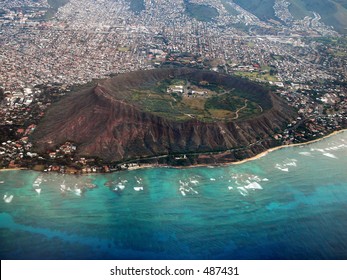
point(165, 111)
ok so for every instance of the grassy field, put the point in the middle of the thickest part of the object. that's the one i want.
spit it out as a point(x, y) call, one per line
point(229, 8)
point(218, 104)
point(123, 49)
point(201, 12)
point(55, 5)
point(261, 8)
point(137, 6)
point(257, 75)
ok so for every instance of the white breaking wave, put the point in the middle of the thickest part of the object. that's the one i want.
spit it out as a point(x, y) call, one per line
point(194, 191)
point(195, 182)
point(282, 168)
point(254, 186)
point(245, 182)
point(242, 191)
point(138, 180)
point(308, 154)
point(8, 198)
point(138, 189)
point(78, 192)
point(186, 186)
point(284, 165)
point(329, 155)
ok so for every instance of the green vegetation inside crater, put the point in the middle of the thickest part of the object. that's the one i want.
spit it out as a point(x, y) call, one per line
point(257, 76)
point(55, 5)
point(137, 6)
point(201, 12)
point(202, 101)
point(261, 8)
point(229, 8)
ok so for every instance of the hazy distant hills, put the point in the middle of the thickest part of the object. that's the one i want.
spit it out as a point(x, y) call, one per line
point(333, 12)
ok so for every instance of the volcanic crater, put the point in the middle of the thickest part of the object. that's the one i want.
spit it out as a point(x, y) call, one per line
point(159, 113)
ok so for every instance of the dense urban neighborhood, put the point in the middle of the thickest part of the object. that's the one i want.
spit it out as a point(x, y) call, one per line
point(47, 51)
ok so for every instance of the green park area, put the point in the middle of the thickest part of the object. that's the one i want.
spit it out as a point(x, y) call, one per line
point(184, 100)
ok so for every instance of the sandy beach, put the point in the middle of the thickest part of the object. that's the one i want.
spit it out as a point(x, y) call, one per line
point(285, 146)
point(13, 169)
point(263, 153)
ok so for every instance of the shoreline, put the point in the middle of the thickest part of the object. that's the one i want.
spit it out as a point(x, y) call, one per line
point(214, 165)
point(14, 169)
point(244, 160)
point(289, 146)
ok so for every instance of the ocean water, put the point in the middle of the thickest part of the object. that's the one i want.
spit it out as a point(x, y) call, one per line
point(290, 204)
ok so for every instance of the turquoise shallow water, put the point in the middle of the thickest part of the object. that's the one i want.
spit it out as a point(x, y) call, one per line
point(290, 204)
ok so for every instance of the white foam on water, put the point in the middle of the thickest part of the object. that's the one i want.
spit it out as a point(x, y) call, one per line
point(329, 155)
point(37, 182)
point(282, 168)
point(184, 184)
point(335, 148)
point(138, 180)
point(254, 186)
point(212, 179)
point(78, 192)
point(230, 188)
point(38, 191)
point(195, 182)
point(194, 191)
point(1, 182)
point(284, 165)
point(120, 186)
point(138, 189)
point(63, 187)
point(242, 191)
point(8, 198)
point(308, 154)
point(250, 181)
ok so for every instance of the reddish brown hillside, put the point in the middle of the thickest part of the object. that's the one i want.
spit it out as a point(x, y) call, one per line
point(104, 124)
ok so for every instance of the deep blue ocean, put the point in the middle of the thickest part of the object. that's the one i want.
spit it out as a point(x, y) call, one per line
point(289, 204)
